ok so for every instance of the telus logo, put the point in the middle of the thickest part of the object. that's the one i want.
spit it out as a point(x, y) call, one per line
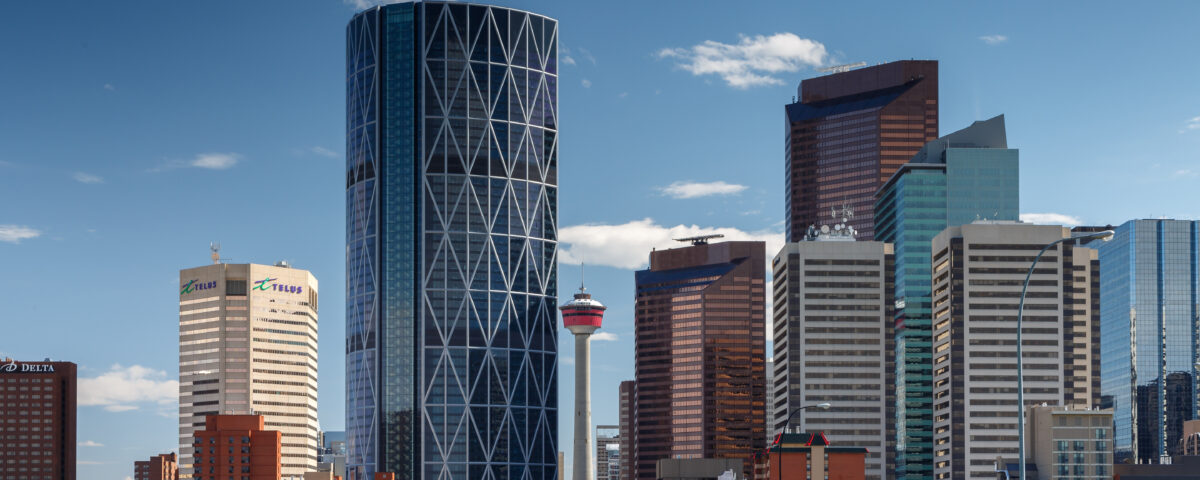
point(266, 285)
point(193, 285)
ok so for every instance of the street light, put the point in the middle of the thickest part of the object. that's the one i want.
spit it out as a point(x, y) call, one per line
point(822, 406)
point(1080, 240)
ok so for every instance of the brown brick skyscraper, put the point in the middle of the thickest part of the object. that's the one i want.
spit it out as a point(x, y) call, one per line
point(237, 446)
point(700, 355)
point(37, 415)
point(849, 133)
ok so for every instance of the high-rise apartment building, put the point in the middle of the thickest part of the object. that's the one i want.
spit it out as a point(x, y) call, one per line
point(37, 415)
point(849, 133)
point(451, 231)
point(627, 390)
point(248, 344)
point(159, 467)
point(1149, 334)
point(608, 452)
point(965, 176)
point(978, 272)
point(700, 354)
point(236, 446)
point(832, 339)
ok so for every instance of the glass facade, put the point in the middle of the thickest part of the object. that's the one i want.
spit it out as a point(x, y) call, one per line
point(970, 175)
point(1148, 331)
point(451, 237)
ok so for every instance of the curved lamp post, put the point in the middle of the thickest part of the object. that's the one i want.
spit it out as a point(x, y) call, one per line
point(1079, 239)
point(822, 406)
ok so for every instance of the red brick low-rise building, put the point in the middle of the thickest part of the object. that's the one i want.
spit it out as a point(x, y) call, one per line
point(236, 446)
point(37, 420)
point(808, 456)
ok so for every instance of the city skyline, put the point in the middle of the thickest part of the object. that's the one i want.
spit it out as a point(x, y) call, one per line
point(113, 159)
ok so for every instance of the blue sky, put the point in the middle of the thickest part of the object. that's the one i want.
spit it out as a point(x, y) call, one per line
point(133, 134)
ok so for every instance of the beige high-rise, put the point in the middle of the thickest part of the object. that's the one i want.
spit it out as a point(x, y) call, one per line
point(248, 344)
point(978, 271)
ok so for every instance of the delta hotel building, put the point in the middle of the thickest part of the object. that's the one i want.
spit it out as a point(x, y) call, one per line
point(248, 345)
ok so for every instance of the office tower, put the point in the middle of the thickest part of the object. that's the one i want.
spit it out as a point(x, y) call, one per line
point(248, 344)
point(626, 391)
point(159, 467)
point(978, 272)
point(832, 339)
point(1067, 442)
point(700, 352)
point(582, 316)
point(849, 133)
point(240, 445)
point(451, 231)
point(1148, 329)
point(608, 452)
point(37, 411)
point(964, 176)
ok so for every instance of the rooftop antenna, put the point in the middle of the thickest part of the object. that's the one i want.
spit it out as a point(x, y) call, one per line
point(215, 247)
point(700, 239)
point(581, 277)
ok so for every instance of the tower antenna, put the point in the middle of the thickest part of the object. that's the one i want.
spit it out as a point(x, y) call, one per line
point(215, 247)
point(581, 277)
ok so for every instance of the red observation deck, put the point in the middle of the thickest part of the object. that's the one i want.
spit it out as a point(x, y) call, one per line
point(582, 315)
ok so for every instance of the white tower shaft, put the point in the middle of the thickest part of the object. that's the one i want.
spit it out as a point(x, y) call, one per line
point(584, 467)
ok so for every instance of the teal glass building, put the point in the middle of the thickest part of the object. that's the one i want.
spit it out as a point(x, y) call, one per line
point(451, 234)
point(965, 176)
point(1149, 332)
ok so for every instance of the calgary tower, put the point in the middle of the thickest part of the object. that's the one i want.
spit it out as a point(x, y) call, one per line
point(582, 316)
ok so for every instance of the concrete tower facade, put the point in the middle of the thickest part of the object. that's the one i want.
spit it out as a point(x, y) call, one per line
point(582, 316)
point(248, 344)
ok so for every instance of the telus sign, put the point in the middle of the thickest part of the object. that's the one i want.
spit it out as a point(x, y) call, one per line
point(268, 285)
point(193, 285)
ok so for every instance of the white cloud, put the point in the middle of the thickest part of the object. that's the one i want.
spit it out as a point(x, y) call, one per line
point(604, 337)
point(1051, 219)
point(994, 39)
point(566, 360)
point(122, 388)
point(82, 177)
point(89, 443)
point(586, 83)
point(16, 233)
point(691, 189)
point(628, 245)
point(110, 87)
point(568, 60)
point(215, 161)
point(1193, 124)
point(325, 152)
point(752, 61)
point(622, 94)
point(1184, 172)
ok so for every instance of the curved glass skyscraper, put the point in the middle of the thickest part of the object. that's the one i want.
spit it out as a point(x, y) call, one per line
point(451, 217)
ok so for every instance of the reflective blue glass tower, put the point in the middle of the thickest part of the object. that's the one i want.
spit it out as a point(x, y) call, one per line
point(451, 217)
point(1149, 315)
point(967, 175)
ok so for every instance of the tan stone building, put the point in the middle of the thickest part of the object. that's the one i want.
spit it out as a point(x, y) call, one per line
point(248, 344)
point(1069, 443)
